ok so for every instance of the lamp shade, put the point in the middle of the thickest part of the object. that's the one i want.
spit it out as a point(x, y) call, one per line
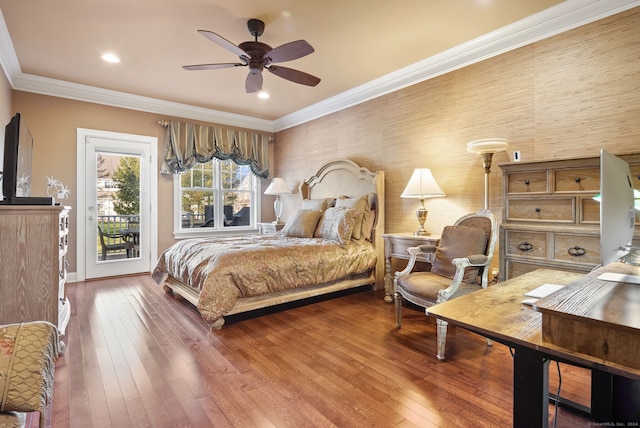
point(422, 185)
point(277, 187)
point(487, 145)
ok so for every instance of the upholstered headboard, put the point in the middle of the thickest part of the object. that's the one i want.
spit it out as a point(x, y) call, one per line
point(343, 177)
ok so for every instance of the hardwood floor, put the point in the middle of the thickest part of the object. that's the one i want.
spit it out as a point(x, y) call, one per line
point(136, 357)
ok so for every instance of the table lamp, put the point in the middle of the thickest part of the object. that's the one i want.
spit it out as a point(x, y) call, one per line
point(422, 185)
point(486, 148)
point(277, 188)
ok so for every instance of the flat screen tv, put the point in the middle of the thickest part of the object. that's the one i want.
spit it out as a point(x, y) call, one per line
point(617, 213)
point(16, 171)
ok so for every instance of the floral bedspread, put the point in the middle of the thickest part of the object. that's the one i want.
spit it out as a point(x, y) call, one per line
point(225, 269)
point(28, 353)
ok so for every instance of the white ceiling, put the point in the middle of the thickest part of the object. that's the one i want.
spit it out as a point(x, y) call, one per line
point(362, 48)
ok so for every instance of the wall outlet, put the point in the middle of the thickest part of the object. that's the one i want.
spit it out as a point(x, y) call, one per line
point(494, 273)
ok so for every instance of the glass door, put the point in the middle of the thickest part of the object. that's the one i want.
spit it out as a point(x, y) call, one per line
point(117, 207)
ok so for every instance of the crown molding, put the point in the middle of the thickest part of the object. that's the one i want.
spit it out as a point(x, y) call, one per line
point(557, 19)
point(92, 94)
point(8, 58)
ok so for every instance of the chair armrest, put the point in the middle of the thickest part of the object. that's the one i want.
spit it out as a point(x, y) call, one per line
point(426, 248)
point(475, 260)
point(413, 254)
point(113, 235)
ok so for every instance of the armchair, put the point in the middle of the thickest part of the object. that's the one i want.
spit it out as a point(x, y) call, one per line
point(461, 265)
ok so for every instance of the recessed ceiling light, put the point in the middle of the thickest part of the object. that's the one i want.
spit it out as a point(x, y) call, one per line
point(262, 94)
point(109, 57)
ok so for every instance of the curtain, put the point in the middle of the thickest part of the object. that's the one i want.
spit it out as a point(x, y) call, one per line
point(187, 144)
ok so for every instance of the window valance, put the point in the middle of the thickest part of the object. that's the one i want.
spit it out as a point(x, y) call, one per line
point(187, 144)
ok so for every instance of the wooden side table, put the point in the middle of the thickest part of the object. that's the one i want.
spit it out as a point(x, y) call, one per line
point(396, 245)
point(269, 228)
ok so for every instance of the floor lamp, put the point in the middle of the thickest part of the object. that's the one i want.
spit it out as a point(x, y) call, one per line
point(277, 188)
point(486, 148)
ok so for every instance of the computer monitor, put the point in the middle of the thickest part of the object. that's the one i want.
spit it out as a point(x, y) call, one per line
point(617, 213)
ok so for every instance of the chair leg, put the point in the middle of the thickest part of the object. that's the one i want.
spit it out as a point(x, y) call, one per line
point(398, 298)
point(442, 338)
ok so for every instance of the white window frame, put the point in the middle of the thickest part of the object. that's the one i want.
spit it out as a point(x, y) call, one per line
point(252, 228)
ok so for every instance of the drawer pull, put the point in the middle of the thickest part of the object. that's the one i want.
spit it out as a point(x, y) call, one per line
point(577, 251)
point(578, 180)
point(526, 182)
point(537, 210)
point(525, 247)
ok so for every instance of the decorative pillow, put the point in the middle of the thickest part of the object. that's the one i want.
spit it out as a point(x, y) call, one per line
point(302, 224)
point(459, 241)
point(360, 203)
point(337, 224)
point(317, 204)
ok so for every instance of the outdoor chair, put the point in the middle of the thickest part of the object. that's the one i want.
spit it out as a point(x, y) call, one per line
point(111, 242)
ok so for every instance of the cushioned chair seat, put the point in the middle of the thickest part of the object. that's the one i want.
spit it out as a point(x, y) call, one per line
point(427, 285)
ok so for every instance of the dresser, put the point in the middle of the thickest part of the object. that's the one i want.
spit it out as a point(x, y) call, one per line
point(549, 216)
point(33, 264)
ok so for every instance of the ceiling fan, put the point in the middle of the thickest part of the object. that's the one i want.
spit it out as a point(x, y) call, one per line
point(258, 56)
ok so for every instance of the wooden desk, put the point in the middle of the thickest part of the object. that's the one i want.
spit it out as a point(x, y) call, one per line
point(596, 317)
point(396, 245)
point(497, 313)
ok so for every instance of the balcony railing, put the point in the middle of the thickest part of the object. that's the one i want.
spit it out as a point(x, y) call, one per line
point(112, 226)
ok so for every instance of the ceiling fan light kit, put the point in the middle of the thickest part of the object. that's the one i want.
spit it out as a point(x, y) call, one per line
point(259, 56)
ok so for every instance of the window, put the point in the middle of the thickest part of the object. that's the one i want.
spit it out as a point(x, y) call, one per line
point(214, 197)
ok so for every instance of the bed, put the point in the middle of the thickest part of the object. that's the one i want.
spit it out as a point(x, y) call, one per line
point(332, 243)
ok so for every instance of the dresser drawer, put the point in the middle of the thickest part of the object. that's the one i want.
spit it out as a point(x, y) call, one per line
point(576, 248)
point(527, 182)
point(516, 268)
point(526, 244)
point(635, 174)
point(577, 180)
point(589, 210)
point(541, 209)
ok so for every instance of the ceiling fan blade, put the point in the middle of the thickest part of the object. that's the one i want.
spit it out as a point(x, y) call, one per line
point(290, 51)
point(213, 66)
point(253, 82)
point(294, 75)
point(222, 42)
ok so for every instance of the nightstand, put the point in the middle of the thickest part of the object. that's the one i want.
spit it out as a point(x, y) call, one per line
point(396, 245)
point(269, 228)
